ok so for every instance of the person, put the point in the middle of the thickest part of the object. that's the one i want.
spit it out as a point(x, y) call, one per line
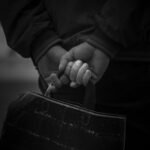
point(108, 38)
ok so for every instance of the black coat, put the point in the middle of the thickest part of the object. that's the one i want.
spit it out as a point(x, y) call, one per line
point(120, 28)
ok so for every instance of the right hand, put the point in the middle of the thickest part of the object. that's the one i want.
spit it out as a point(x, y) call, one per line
point(93, 60)
point(79, 70)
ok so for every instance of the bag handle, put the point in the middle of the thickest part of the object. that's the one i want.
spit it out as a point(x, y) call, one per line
point(90, 91)
point(90, 96)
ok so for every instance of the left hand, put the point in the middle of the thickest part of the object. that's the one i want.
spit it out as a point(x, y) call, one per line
point(49, 63)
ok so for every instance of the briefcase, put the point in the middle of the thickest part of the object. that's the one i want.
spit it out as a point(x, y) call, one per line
point(36, 122)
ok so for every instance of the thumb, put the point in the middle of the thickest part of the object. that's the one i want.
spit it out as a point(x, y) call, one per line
point(65, 59)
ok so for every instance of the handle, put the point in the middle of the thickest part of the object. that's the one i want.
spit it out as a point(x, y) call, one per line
point(90, 96)
point(90, 92)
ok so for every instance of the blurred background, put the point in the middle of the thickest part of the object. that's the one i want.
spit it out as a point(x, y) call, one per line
point(17, 75)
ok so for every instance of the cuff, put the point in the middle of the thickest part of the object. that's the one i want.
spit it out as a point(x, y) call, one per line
point(99, 44)
point(40, 51)
point(101, 41)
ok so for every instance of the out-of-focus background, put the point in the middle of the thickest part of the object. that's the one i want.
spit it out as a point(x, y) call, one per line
point(17, 75)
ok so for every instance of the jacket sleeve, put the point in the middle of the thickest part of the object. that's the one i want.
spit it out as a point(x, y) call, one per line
point(120, 25)
point(28, 28)
point(110, 25)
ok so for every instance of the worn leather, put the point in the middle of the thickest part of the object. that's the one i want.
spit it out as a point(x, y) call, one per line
point(36, 122)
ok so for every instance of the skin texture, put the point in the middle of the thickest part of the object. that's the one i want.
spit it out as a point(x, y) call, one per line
point(94, 63)
point(49, 63)
point(79, 65)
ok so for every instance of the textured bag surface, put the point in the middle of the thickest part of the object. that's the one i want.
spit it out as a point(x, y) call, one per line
point(35, 122)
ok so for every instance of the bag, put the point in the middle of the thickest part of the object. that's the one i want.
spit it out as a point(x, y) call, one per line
point(35, 122)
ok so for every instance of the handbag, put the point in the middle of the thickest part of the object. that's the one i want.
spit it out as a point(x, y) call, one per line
point(35, 121)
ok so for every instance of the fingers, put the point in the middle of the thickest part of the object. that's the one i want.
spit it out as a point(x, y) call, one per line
point(74, 70)
point(53, 79)
point(81, 72)
point(74, 84)
point(65, 59)
point(64, 79)
point(53, 82)
point(86, 77)
point(68, 72)
point(78, 73)
point(68, 68)
point(57, 82)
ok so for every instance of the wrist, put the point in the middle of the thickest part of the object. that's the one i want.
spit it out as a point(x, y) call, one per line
point(50, 61)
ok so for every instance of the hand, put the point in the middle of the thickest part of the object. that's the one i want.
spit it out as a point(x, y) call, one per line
point(79, 70)
point(49, 63)
point(96, 60)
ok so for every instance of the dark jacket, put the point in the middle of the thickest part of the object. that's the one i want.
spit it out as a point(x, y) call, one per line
point(120, 28)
